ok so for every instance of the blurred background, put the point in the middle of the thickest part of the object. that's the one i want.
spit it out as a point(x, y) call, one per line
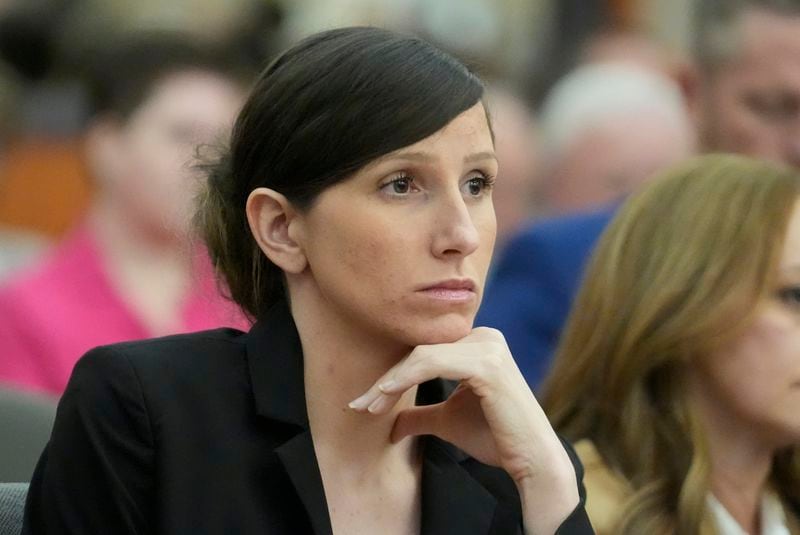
point(588, 99)
point(523, 47)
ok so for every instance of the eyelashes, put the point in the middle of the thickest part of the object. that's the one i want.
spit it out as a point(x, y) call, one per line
point(403, 184)
point(487, 181)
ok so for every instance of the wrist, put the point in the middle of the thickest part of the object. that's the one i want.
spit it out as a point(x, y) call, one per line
point(548, 492)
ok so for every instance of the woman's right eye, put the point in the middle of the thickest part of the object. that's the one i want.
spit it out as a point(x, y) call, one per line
point(400, 186)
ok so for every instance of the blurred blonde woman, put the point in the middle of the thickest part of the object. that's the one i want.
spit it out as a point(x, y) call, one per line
point(678, 374)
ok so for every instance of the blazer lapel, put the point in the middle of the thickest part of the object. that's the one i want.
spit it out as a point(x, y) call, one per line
point(300, 461)
point(275, 358)
point(452, 500)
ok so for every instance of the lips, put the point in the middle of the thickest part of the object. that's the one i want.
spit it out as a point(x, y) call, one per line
point(451, 290)
point(453, 284)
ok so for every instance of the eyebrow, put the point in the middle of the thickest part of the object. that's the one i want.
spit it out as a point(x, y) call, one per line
point(427, 157)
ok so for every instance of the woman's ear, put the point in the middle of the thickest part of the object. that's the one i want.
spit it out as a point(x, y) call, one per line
point(272, 220)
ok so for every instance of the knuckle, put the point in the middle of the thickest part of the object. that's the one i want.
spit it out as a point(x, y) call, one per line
point(419, 353)
point(490, 333)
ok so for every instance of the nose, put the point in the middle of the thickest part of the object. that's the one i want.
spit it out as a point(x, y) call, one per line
point(455, 234)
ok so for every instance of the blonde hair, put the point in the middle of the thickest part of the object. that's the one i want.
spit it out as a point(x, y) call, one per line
point(668, 282)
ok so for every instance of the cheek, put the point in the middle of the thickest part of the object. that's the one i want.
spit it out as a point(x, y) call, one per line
point(742, 130)
point(369, 258)
point(763, 368)
point(367, 254)
point(487, 232)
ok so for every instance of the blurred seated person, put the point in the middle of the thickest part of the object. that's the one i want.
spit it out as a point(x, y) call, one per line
point(743, 95)
point(678, 371)
point(533, 283)
point(131, 269)
point(606, 128)
point(633, 45)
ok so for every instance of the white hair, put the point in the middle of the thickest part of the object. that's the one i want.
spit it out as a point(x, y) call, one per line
point(596, 94)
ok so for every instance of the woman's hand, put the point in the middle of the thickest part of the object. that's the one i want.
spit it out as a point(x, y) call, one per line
point(492, 415)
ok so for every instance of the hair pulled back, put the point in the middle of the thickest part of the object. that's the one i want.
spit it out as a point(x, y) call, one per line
point(319, 112)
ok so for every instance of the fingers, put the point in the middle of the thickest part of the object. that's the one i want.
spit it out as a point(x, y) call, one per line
point(375, 401)
point(416, 421)
point(476, 363)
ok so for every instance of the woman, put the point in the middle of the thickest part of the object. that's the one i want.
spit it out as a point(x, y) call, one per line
point(678, 371)
point(125, 271)
point(353, 220)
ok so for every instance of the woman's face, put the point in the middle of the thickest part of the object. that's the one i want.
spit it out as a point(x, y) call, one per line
point(401, 249)
point(756, 378)
point(153, 177)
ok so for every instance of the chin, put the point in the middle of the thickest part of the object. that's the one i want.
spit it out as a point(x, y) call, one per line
point(442, 330)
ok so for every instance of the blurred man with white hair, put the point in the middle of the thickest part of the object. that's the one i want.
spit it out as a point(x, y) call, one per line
point(607, 128)
point(744, 98)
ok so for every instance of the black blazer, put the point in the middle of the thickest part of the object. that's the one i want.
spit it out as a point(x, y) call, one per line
point(208, 433)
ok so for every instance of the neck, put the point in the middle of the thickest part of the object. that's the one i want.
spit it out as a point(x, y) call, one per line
point(738, 479)
point(340, 364)
point(741, 461)
point(135, 260)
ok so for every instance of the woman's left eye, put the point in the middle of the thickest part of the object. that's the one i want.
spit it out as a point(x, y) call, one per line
point(477, 185)
point(790, 295)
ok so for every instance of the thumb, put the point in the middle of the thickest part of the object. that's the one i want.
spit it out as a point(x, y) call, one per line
point(422, 420)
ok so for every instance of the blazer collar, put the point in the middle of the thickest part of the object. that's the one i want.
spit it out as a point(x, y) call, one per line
point(452, 500)
point(275, 358)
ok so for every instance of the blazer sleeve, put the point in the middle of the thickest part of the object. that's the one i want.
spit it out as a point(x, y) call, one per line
point(96, 474)
point(577, 523)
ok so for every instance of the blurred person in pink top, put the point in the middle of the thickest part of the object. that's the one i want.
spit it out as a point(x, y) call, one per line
point(131, 269)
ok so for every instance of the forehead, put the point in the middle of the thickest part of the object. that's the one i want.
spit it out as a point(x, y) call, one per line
point(770, 42)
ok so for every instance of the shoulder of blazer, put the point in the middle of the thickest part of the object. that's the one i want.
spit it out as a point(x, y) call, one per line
point(173, 366)
point(178, 351)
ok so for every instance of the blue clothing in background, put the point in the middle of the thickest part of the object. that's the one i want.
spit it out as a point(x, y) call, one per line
point(533, 285)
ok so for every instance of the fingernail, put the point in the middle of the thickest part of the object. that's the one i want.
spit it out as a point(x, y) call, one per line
point(387, 386)
point(377, 405)
point(359, 404)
